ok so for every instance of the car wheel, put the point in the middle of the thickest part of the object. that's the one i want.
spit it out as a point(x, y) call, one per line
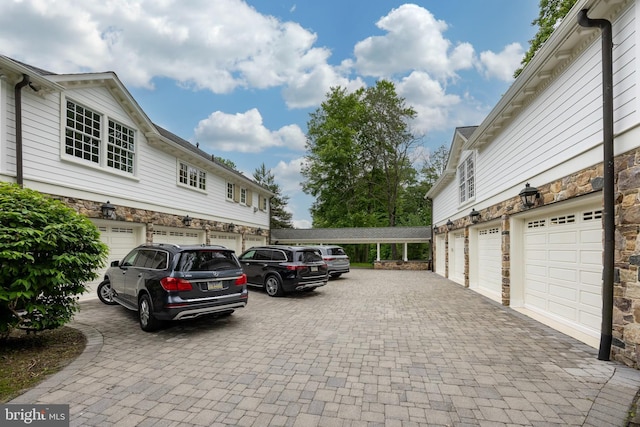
point(105, 293)
point(273, 286)
point(148, 322)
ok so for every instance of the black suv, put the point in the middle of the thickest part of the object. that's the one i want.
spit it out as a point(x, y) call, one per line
point(280, 269)
point(171, 282)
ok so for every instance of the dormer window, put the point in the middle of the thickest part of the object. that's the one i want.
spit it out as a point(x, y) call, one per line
point(467, 178)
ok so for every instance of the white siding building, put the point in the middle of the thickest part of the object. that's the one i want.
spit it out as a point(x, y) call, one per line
point(86, 141)
point(547, 131)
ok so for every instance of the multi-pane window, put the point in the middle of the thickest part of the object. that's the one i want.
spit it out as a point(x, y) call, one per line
point(120, 147)
point(231, 191)
point(466, 179)
point(82, 133)
point(243, 196)
point(192, 177)
point(262, 203)
point(84, 139)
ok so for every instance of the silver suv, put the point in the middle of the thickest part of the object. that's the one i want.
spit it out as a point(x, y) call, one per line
point(170, 282)
point(335, 257)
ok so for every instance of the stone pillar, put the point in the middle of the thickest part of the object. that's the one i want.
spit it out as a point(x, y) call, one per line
point(506, 261)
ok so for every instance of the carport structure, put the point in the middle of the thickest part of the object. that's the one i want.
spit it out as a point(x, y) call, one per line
point(353, 235)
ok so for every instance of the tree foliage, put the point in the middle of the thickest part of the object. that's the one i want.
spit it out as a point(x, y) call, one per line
point(280, 216)
point(357, 163)
point(47, 253)
point(551, 14)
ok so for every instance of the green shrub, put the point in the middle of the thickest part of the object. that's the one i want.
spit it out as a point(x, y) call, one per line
point(47, 253)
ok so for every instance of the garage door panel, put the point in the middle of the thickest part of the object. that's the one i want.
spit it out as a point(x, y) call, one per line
point(563, 237)
point(535, 239)
point(590, 299)
point(591, 320)
point(563, 274)
point(591, 280)
point(563, 310)
point(534, 255)
point(591, 257)
point(564, 292)
point(563, 255)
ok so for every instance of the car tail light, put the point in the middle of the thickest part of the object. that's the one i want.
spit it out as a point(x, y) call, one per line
point(296, 267)
point(174, 284)
point(242, 280)
point(329, 259)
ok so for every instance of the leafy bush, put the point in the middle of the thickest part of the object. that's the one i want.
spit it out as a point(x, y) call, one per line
point(47, 253)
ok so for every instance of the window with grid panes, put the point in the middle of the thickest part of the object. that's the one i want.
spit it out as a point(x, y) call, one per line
point(82, 133)
point(192, 177)
point(120, 147)
point(243, 196)
point(466, 179)
point(230, 191)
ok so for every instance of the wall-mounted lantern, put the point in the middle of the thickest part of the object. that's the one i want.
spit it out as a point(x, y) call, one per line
point(108, 211)
point(529, 195)
point(231, 227)
point(259, 231)
point(187, 221)
point(474, 216)
point(449, 225)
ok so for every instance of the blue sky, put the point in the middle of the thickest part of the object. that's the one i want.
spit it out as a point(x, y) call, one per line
point(241, 77)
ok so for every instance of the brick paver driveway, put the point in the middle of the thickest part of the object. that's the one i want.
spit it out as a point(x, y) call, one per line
point(394, 348)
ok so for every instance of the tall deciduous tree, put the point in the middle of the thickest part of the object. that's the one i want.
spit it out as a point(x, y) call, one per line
point(280, 217)
point(551, 13)
point(357, 162)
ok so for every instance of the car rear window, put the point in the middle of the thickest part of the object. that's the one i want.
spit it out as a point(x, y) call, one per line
point(207, 260)
point(309, 256)
point(336, 251)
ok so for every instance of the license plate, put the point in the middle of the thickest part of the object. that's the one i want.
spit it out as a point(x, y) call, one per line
point(314, 268)
point(215, 286)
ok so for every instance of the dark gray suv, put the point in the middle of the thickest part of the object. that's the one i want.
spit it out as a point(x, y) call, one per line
point(170, 282)
point(281, 269)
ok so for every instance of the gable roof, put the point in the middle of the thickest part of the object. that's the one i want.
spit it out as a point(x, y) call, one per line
point(156, 135)
point(352, 235)
point(460, 136)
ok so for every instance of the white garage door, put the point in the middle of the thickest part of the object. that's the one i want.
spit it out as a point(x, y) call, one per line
point(177, 236)
point(228, 240)
point(563, 267)
point(456, 257)
point(121, 237)
point(489, 259)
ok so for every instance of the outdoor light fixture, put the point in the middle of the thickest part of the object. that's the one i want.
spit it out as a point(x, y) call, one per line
point(108, 211)
point(474, 216)
point(529, 195)
point(449, 225)
point(259, 231)
point(231, 227)
point(187, 221)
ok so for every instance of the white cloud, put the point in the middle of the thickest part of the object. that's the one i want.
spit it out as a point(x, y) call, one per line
point(245, 133)
point(414, 40)
point(502, 65)
point(430, 100)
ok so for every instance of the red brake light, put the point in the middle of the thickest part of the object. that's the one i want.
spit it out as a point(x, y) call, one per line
point(242, 280)
point(173, 284)
point(329, 259)
point(296, 267)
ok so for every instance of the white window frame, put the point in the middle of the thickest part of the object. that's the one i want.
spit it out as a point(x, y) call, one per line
point(243, 196)
point(191, 177)
point(230, 191)
point(107, 144)
point(466, 178)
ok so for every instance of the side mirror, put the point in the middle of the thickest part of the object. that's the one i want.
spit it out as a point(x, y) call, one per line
point(115, 263)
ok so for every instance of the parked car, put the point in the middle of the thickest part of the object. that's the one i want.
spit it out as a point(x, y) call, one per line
point(170, 282)
point(335, 257)
point(280, 269)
